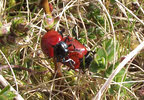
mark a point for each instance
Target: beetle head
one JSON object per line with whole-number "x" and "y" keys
{"x": 60, "y": 50}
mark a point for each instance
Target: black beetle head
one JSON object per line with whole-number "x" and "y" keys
{"x": 60, "y": 50}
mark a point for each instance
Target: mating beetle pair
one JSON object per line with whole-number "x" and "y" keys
{"x": 67, "y": 50}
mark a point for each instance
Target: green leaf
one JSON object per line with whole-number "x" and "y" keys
{"x": 97, "y": 66}
{"x": 11, "y": 3}
{"x": 110, "y": 69}
{"x": 10, "y": 95}
{"x": 101, "y": 53}
{"x": 93, "y": 66}
{"x": 2, "y": 97}
{"x": 5, "y": 94}
{"x": 92, "y": 36}
{"x": 112, "y": 1}
{"x": 109, "y": 47}
{"x": 120, "y": 75}
{"x": 4, "y": 90}
{"x": 116, "y": 23}
{"x": 99, "y": 31}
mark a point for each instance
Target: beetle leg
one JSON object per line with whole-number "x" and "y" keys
{"x": 69, "y": 69}
{"x": 61, "y": 32}
{"x": 69, "y": 45}
{"x": 72, "y": 45}
{"x": 74, "y": 48}
{"x": 72, "y": 66}
{"x": 74, "y": 31}
{"x": 70, "y": 61}
{"x": 67, "y": 39}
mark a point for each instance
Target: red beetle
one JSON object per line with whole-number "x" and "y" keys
{"x": 67, "y": 50}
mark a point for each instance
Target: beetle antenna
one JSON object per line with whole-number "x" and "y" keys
{"x": 69, "y": 45}
{"x": 67, "y": 39}
{"x": 74, "y": 47}
{"x": 74, "y": 32}
{"x": 61, "y": 32}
